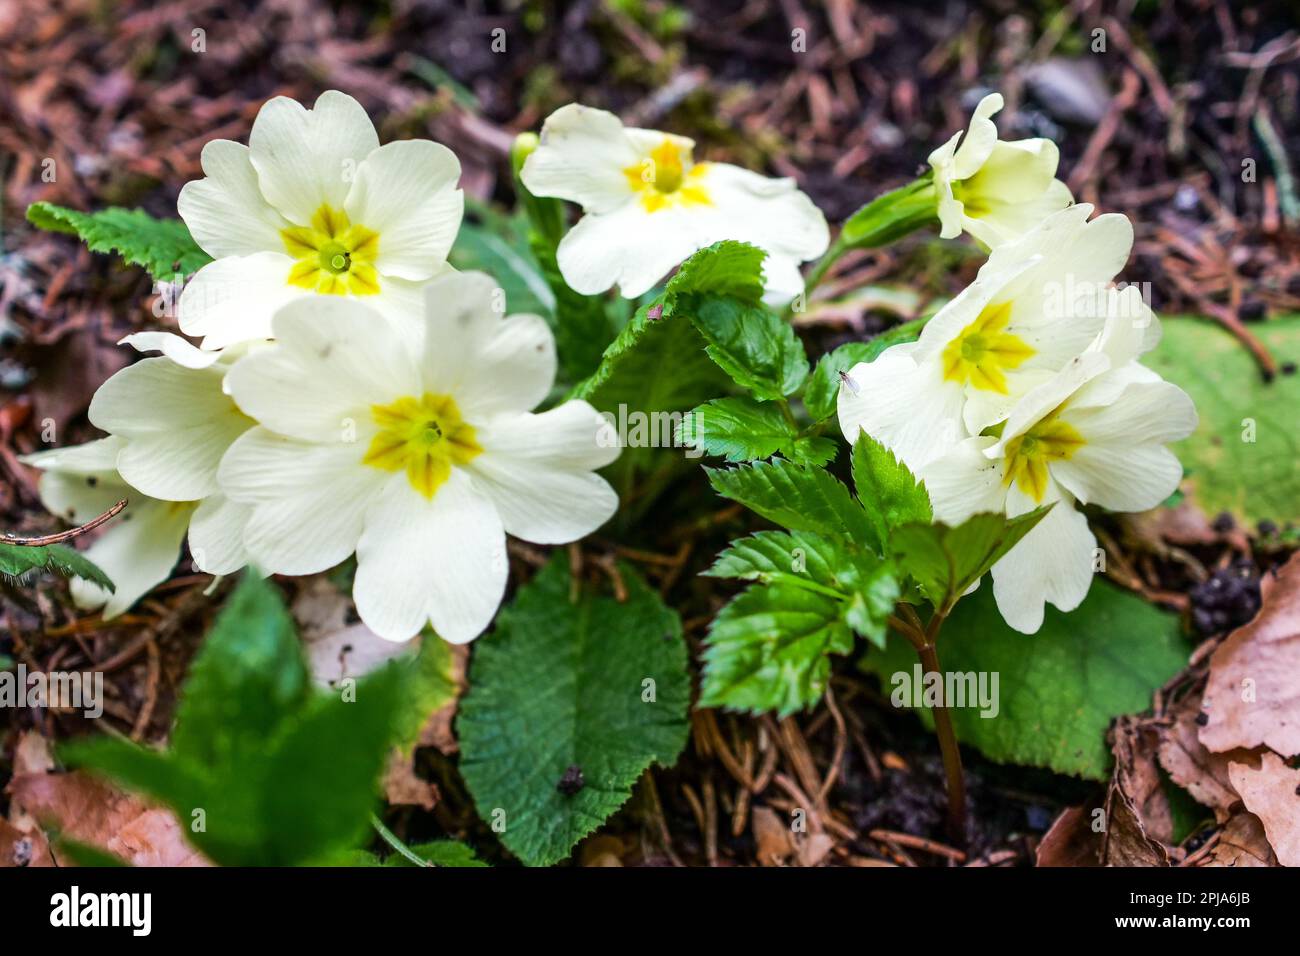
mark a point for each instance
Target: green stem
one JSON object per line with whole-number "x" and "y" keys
{"x": 947, "y": 736}
{"x": 884, "y": 220}
{"x": 395, "y": 842}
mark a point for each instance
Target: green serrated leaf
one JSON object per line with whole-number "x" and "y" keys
{"x": 769, "y": 649}
{"x": 738, "y": 429}
{"x": 795, "y": 497}
{"x": 791, "y": 556}
{"x": 760, "y": 353}
{"x": 560, "y": 684}
{"x": 17, "y": 560}
{"x": 822, "y": 393}
{"x": 887, "y": 490}
{"x": 448, "y": 853}
{"x": 874, "y": 591}
{"x": 656, "y": 370}
{"x": 163, "y": 246}
{"x": 727, "y": 269}
{"x": 945, "y": 561}
{"x": 1242, "y": 457}
{"x": 1058, "y": 690}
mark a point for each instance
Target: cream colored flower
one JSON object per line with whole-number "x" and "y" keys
{"x": 1035, "y": 305}
{"x": 170, "y": 422}
{"x": 418, "y": 460}
{"x": 648, "y": 205}
{"x": 314, "y": 204}
{"x": 138, "y": 548}
{"x": 996, "y": 191}
{"x": 1095, "y": 433}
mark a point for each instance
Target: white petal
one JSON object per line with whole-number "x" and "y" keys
{"x": 137, "y": 550}
{"x": 179, "y": 350}
{"x": 226, "y": 212}
{"x": 782, "y": 280}
{"x": 1007, "y": 221}
{"x": 217, "y": 535}
{"x": 772, "y": 214}
{"x": 88, "y": 458}
{"x": 1052, "y": 564}
{"x": 306, "y": 158}
{"x": 487, "y": 362}
{"x": 537, "y": 471}
{"x": 81, "y": 482}
{"x": 441, "y": 560}
{"x": 1124, "y": 465}
{"x": 582, "y": 158}
{"x": 233, "y": 299}
{"x": 406, "y": 192}
{"x": 628, "y": 247}
{"x": 981, "y": 137}
{"x": 332, "y": 360}
{"x": 964, "y": 482}
{"x": 906, "y": 407}
{"x": 177, "y": 421}
{"x": 308, "y": 500}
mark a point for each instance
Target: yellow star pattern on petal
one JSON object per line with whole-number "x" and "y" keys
{"x": 983, "y": 351}
{"x": 668, "y": 177}
{"x": 424, "y": 436}
{"x": 1028, "y": 455}
{"x": 333, "y": 255}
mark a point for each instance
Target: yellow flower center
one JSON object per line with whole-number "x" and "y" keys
{"x": 1028, "y": 455}
{"x": 422, "y": 436}
{"x": 333, "y": 256}
{"x": 983, "y": 351}
{"x": 668, "y": 177}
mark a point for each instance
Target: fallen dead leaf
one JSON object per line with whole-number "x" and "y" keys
{"x": 1139, "y": 823}
{"x": 404, "y": 787}
{"x": 93, "y": 812}
{"x": 19, "y": 848}
{"x": 1252, "y": 698}
{"x": 1198, "y": 771}
{"x": 774, "y": 839}
{"x": 1271, "y": 791}
{"x": 1242, "y": 843}
{"x": 1070, "y": 840}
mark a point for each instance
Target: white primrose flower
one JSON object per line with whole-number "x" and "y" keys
{"x": 138, "y": 548}
{"x": 1035, "y": 305}
{"x": 419, "y": 460}
{"x": 648, "y": 205}
{"x": 313, "y": 205}
{"x": 1095, "y": 433}
{"x": 992, "y": 189}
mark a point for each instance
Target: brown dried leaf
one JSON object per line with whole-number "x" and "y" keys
{"x": 1070, "y": 841}
{"x": 91, "y": 811}
{"x": 404, "y": 787}
{"x": 1202, "y": 774}
{"x": 1271, "y": 791}
{"x": 774, "y": 839}
{"x": 1242, "y": 843}
{"x": 20, "y": 848}
{"x": 1253, "y": 695}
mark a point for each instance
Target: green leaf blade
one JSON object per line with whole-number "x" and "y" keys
{"x": 769, "y": 649}
{"x": 164, "y": 247}
{"x": 560, "y": 685}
